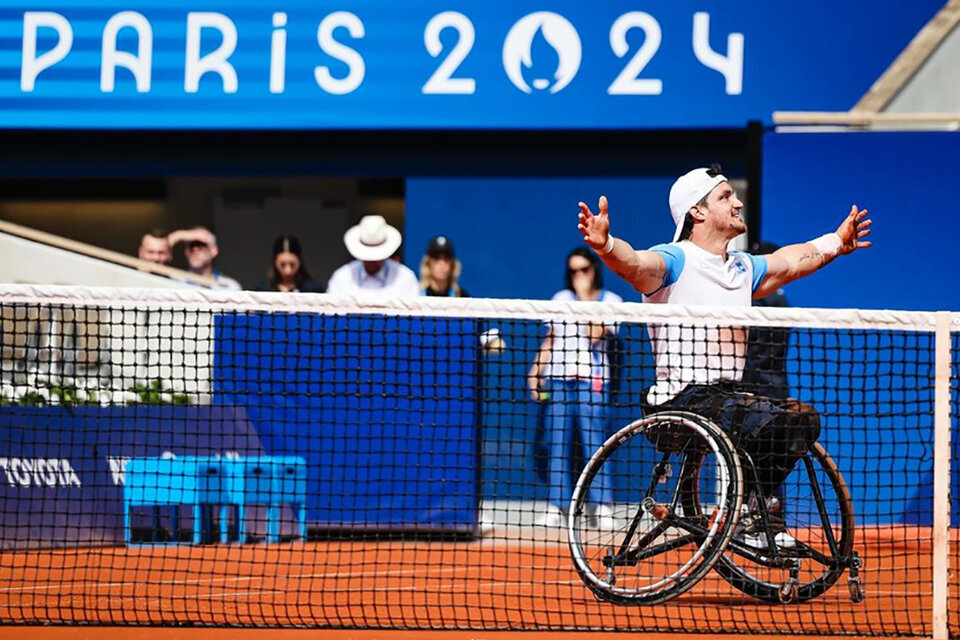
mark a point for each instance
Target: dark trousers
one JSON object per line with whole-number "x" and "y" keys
{"x": 775, "y": 432}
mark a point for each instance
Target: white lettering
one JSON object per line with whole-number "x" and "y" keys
{"x": 731, "y": 65}
{"x": 628, "y": 83}
{"x": 30, "y": 64}
{"x": 278, "y": 52}
{"x": 118, "y": 469}
{"x": 39, "y": 472}
{"x": 138, "y": 64}
{"x": 71, "y": 474}
{"x": 22, "y": 479}
{"x": 47, "y": 471}
{"x": 214, "y": 62}
{"x": 353, "y": 60}
{"x": 441, "y": 80}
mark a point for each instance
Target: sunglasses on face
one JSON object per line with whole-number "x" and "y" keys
{"x": 574, "y": 271}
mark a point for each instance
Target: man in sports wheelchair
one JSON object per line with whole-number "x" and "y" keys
{"x": 698, "y": 411}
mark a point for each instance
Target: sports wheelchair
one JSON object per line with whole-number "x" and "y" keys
{"x": 667, "y": 529}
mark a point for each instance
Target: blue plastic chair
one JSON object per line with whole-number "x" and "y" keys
{"x": 275, "y": 481}
{"x": 189, "y": 480}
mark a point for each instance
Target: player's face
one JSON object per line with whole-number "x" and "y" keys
{"x": 723, "y": 211}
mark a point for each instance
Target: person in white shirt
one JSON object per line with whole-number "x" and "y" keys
{"x": 372, "y": 273}
{"x": 572, "y": 373}
{"x": 700, "y": 369}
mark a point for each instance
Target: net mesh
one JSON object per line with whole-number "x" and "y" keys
{"x": 206, "y": 458}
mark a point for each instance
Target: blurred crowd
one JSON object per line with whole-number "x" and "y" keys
{"x": 375, "y": 268}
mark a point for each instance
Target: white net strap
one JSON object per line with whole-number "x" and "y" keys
{"x": 545, "y": 310}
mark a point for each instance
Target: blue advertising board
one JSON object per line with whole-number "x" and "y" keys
{"x": 363, "y": 64}
{"x": 384, "y": 409}
{"x": 62, "y": 469}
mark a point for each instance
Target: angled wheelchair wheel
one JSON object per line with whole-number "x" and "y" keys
{"x": 631, "y": 539}
{"x": 818, "y": 514}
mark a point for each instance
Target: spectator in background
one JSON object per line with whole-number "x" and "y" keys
{"x": 440, "y": 270}
{"x": 201, "y": 250}
{"x": 765, "y": 372}
{"x": 288, "y": 272}
{"x": 572, "y": 373}
{"x": 154, "y": 247}
{"x": 371, "y": 243}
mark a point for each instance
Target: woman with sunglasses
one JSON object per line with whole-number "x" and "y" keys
{"x": 571, "y": 373}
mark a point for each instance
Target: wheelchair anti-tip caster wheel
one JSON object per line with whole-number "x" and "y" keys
{"x": 789, "y": 591}
{"x": 856, "y": 591}
{"x": 854, "y": 586}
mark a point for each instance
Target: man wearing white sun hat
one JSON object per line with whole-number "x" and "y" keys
{"x": 371, "y": 243}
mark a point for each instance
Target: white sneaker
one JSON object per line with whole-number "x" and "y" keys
{"x": 785, "y": 541}
{"x": 782, "y": 539}
{"x": 604, "y": 519}
{"x": 552, "y": 517}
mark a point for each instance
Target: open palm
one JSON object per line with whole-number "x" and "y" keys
{"x": 853, "y": 230}
{"x": 595, "y": 228}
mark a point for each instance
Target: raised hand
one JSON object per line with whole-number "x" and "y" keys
{"x": 595, "y": 228}
{"x": 853, "y": 229}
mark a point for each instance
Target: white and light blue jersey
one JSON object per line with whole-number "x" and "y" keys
{"x": 701, "y": 355}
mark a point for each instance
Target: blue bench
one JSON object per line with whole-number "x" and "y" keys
{"x": 196, "y": 481}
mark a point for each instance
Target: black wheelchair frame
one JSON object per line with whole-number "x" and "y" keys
{"x": 673, "y": 523}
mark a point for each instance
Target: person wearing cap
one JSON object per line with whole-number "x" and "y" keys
{"x": 371, "y": 243}
{"x": 701, "y": 370}
{"x": 201, "y": 250}
{"x": 440, "y": 270}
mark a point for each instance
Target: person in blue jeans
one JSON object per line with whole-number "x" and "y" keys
{"x": 572, "y": 374}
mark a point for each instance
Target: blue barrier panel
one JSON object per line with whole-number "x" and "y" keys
{"x": 384, "y": 409}
{"x": 810, "y": 181}
{"x": 62, "y": 469}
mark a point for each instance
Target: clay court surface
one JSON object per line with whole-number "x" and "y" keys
{"x": 497, "y": 586}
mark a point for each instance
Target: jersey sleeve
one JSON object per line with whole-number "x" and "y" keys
{"x": 759, "y": 264}
{"x": 673, "y": 258}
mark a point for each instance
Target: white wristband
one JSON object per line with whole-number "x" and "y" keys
{"x": 607, "y": 248}
{"x": 828, "y": 245}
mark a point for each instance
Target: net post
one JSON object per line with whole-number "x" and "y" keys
{"x": 941, "y": 477}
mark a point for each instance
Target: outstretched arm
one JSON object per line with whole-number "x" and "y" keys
{"x": 798, "y": 260}
{"x": 644, "y": 270}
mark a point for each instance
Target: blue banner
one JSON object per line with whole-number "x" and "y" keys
{"x": 62, "y": 469}
{"x": 363, "y": 64}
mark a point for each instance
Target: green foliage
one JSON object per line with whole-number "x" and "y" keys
{"x": 153, "y": 392}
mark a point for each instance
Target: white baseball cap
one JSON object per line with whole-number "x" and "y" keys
{"x": 688, "y": 190}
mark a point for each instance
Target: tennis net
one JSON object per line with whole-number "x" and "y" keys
{"x": 193, "y": 457}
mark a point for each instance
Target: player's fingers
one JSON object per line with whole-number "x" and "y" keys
{"x": 864, "y": 245}
{"x": 864, "y": 233}
{"x": 853, "y": 211}
{"x": 602, "y": 205}
{"x": 865, "y": 223}
{"x": 585, "y": 209}
{"x": 862, "y": 214}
